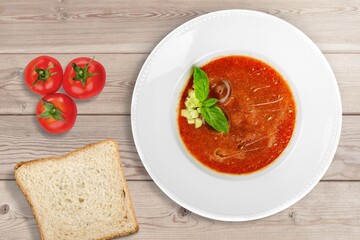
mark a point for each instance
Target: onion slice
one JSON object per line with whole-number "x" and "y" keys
{"x": 228, "y": 90}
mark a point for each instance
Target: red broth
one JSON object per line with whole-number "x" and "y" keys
{"x": 260, "y": 109}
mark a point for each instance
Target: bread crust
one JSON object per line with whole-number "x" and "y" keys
{"x": 126, "y": 189}
{"x": 17, "y": 166}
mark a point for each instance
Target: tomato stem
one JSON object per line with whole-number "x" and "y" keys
{"x": 43, "y": 74}
{"x": 82, "y": 73}
{"x": 51, "y": 111}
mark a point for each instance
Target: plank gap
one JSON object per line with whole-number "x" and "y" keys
{"x": 77, "y": 53}
{"x": 339, "y": 52}
{"x": 79, "y": 114}
{"x": 339, "y": 180}
{"x": 151, "y": 180}
{"x": 114, "y": 114}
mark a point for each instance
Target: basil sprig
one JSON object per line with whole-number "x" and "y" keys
{"x": 215, "y": 118}
{"x": 212, "y": 114}
{"x": 201, "y": 84}
{"x": 210, "y": 102}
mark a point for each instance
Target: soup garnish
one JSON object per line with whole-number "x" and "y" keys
{"x": 199, "y": 106}
{"x": 244, "y": 114}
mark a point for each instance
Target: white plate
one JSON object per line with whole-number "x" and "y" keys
{"x": 229, "y": 197}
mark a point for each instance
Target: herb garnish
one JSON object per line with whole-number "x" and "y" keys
{"x": 198, "y": 103}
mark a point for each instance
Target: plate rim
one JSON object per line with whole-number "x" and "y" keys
{"x": 325, "y": 163}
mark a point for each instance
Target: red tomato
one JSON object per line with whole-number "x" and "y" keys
{"x": 56, "y": 113}
{"x": 43, "y": 75}
{"x": 84, "y": 78}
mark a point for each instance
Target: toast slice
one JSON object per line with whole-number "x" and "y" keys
{"x": 82, "y": 195}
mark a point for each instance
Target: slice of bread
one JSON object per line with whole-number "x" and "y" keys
{"x": 82, "y": 195}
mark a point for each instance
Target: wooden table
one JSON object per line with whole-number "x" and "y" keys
{"x": 121, "y": 34}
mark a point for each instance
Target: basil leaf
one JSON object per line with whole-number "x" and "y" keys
{"x": 215, "y": 117}
{"x": 210, "y": 102}
{"x": 201, "y": 84}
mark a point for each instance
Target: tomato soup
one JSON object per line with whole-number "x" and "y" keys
{"x": 260, "y": 109}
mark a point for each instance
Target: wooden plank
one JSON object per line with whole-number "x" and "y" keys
{"x": 347, "y": 73}
{"x": 22, "y": 140}
{"x": 41, "y": 26}
{"x": 330, "y": 211}
{"x": 122, "y": 71}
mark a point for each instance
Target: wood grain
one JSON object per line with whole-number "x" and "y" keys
{"x": 136, "y": 26}
{"x": 347, "y": 72}
{"x": 22, "y": 140}
{"x": 322, "y": 214}
{"x": 122, "y": 71}
{"x": 19, "y": 142}
{"x": 121, "y": 34}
